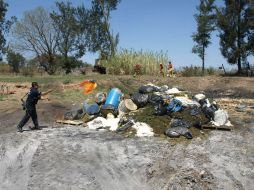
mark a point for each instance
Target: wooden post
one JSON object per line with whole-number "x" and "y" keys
{"x": 224, "y": 69}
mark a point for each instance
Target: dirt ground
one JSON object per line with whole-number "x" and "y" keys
{"x": 68, "y": 157}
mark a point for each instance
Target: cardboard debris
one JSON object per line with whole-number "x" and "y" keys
{"x": 70, "y": 122}
{"x": 213, "y": 127}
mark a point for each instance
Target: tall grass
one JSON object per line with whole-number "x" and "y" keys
{"x": 126, "y": 61}
{"x": 197, "y": 71}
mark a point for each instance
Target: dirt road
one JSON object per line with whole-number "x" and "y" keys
{"x": 67, "y": 157}
{"x": 77, "y": 158}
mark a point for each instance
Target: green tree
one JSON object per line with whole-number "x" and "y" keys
{"x": 100, "y": 37}
{"x": 71, "y": 29}
{"x": 4, "y": 25}
{"x": 35, "y": 33}
{"x": 15, "y": 60}
{"x": 236, "y": 31}
{"x": 205, "y": 19}
{"x": 250, "y": 17}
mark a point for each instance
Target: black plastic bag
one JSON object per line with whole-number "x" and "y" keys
{"x": 179, "y": 123}
{"x": 139, "y": 99}
{"x": 146, "y": 89}
{"x": 178, "y": 131}
{"x": 209, "y": 111}
{"x": 194, "y": 111}
{"x": 160, "y": 109}
{"x": 74, "y": 114}
{"x": 155, "y": 99}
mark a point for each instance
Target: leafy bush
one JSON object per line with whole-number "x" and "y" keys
{"x": 27, "y": 71}
{"x": 4, "y": 68}
{"x": 197, "y": 71}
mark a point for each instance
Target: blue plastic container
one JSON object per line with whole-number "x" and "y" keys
{"x": 114, "y": 97}
{"x": 174, "y": 106}
{"x": 91, "y": 109}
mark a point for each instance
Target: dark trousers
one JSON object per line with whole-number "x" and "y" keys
{"x": 30, "y": 112}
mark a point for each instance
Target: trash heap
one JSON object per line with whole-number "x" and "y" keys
{"x": 150, "y": 111}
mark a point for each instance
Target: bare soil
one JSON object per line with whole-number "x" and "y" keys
{"x": 68, "y": 157}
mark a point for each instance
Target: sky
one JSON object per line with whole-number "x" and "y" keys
{"x": 152, "y": 25}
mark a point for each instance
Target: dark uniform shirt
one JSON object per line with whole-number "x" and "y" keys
{"x": 33, "y": 96}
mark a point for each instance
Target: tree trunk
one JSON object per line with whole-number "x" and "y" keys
{"x": 203, "y": 60}
{"x": 239, "y": 40}
{"x": 67, "y": 63}
{"x": 239, "y": 65}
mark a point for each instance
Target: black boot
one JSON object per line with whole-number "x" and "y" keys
{"x": 35, "y": 127}
{"x": 20, "y": 129}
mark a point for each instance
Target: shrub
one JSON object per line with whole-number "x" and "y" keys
{"x": 27, "y": 71}
{"x": 197, "y": 71}
{"x": 5, "y": 69}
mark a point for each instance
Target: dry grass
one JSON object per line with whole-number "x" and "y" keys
{"x": 126, "y": 61}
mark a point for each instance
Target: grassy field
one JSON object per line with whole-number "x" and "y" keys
{"x": 42, "y": 79}
{"x": 66, "y": 87}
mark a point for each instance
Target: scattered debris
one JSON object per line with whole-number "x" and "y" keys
{"x": 126, "y": 106}
{"x": 114, "y": 97}
{"x": 143, "y": 129}
{"x": 170, "y": 105}
{"x": 147, "y": 89}
{"x": 97, "y": 123}
{"x": 178, "y": 131}
{"x": 174, "y": 91}
{"x": 70, "y": 122}
{"x": 179, "y": 123}
{"x": 175, "y": 105}
{"x": 186, "y": 102}
{"x": 139, "y": 99}
{"x": 100, "y": 98}
{"x": 102, "y": 123}
{"x": 199, "y": 97}
{"x": 5, "y": 89}
{"x": 221, "y": 118}
{"x": 91, "y": 109}
{"x": 74, "y": 114}
{"x": 240, "y": 107}
{"x": 125, "y": 124}
{"x": 20, "y": 86}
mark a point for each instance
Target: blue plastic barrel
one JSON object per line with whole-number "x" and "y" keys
{"x": 113, "y": 97}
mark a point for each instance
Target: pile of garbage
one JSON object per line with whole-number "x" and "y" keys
{"x": 173, "y": 106}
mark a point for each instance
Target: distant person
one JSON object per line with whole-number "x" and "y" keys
{"x": 161, "y": 69}
{"x": 170, "y": 69}
{"x": 30, "y": 106}
{"x": 137, "y": 70}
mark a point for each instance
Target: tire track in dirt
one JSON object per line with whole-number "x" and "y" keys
{"x": 16, "y": 156}
{"x": 73, "y": 162}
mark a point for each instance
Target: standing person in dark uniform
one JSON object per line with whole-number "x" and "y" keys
{"x": 30, "y": 106}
